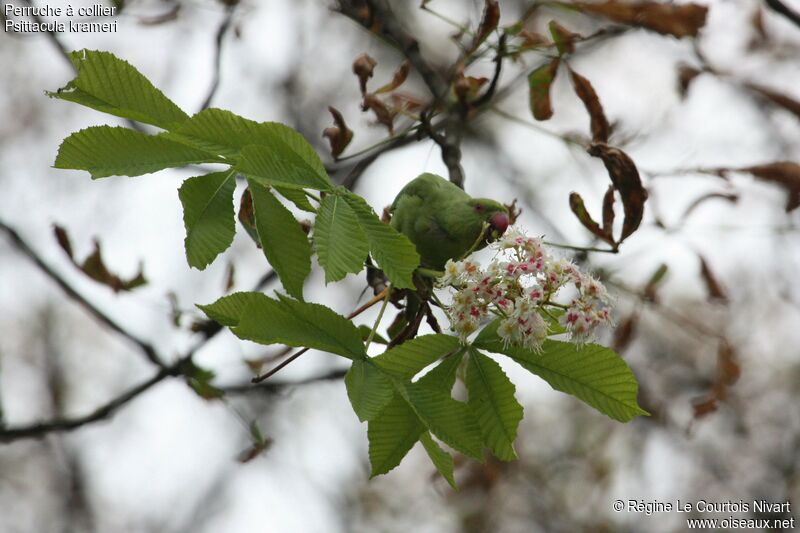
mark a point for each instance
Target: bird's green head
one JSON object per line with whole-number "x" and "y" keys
{"x": 493, "y": 213}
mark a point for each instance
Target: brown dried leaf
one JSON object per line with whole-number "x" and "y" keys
{"x": 405, "y": 101}
{"x": 539, "y": 82}
{"x": 467, "y": 88}
{"x": 623, "y": 334}
{"x": 338, "y": 135}
{"x": 363, "y": 67}
{"x": 532, "y": 39}
{"x": 704, "y": 406}
{"x": 728, "y": 372}
{"x": 94, "y": 266}
{"x": 679, "y": 20}
{"x": 230, "y": 276}
{"x": 247, "y": 216}
{"x": 715, "y": 290}
{"x": 563, "y": 38}
{"x": 728, "y": 367}
{"x": 587, "y": 94}
{"x": 63, "y": 239}
{"x": 783, "y": 173}
{"x": 398, "y": 78}
{"x": 254, "y": 451}
{"x": 489, "y": 22}
{"x": 608, "y": 211}
{"x": 384, "y": 115}
{"x": 625, "y": 177}
{"x": 579, "y": 208}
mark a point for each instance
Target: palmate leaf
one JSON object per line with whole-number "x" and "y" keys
{"x": 395, "y": 254}
{"x": 259, "y": 318}
{"x": 340, "y": 242}
{"x": 222, "y": 132}
{"x": 111, "y": 85}
{"x": 229, "y": 309}
{"x": 443, "y": 376}
{"x": 451, "y": 421}
{"x": 283, "y": 240}
{"x": 592, "y": 373}
{"x": 368, "y": 388}
{"x": 491, "y": 398}
{"x": 391, "y": 435}
{"x": 408, "y": 359}
{"x": 208, "y": 216}
{"x": 297, "y": 197}
{"x": 393, "y": 432}
{"x": 442, "y": 460}
{"x": 114, "y": 151}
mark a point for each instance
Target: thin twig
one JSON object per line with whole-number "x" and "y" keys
{"x": 223, "y": 29}
{"x": 278, "y": 368}
{"x": 272, "y": 387}
{"x": 498, "y": 67}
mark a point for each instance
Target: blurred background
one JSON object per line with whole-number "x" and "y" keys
{"x": 707, "y": 294}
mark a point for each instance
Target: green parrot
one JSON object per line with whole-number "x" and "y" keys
{"x": 443, "y": 221}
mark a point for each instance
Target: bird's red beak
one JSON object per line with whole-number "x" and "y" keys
{"x": 499, "y": 223}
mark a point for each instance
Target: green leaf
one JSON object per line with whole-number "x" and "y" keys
{"x": 283, "y": 240}
{"x": 111, "y": 85}
{"x": 115, "y": 151}
{"x": 451, "y": 421}
{"x": 391, "y": 435}
{"x": 199, "y": 379}
{"x": 368, "y": 388}
{"x": 408, "y": 359}
{"x": 552, "y": 317}
{"x": 491, "y": 398}
{"x": 341, "y": 244}
{"x": 297, "y": 197}
{"x": 395, "y": 254}
{"x": 229, "y": 309}
{"x": 376, "y": 338}
{"x": 443, "y": 376}
{"x": 592, "y": 373}
{"x": 280, "y": 156}
{"x": 295, "y": 323}
{"x": 219, "y": 131}
{"x": 208, "y": 216}
{"x": 442, "y": 460}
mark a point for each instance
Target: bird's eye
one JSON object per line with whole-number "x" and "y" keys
{"x": 479, "y": 208}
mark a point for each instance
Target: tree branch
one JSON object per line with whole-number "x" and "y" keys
{"x": 377, "y": 17}
{"x": 41, "y": 429}
{"x": 23, "y": 247}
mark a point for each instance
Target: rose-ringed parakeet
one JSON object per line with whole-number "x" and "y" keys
{"x": 443, "y": 221}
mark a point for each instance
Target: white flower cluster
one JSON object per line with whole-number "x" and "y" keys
{"x": 520, "y": 287}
